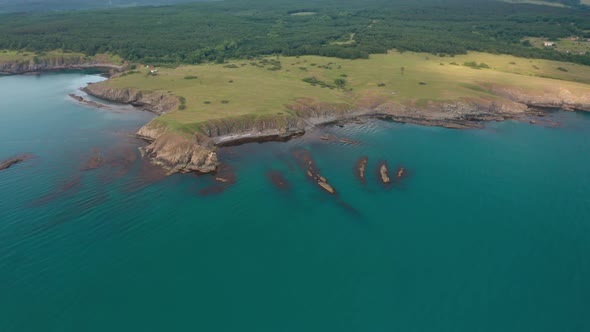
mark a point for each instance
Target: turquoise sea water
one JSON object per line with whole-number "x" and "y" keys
{"x": 489, "y": 232}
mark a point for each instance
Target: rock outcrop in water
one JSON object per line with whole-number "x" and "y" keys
{"x": 361, "y": 167}
{"x": 401, "y": 173}
{"x": 90, "y": 103}
{"x": 5, "y": 164}
{"x": 383, "y": 173}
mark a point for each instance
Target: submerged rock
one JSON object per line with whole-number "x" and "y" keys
{"x": 91, "y": 103}
{"x": 278, "y": 179}
{"x": 225, "y": 174}
{"x": 95, "y": 161}
{"x": 401, "y": 172}
{"x": 5, "y": 164}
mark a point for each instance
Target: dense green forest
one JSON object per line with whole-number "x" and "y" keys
{"x": 214, "y": 31}
{"x": 55, "y": 5}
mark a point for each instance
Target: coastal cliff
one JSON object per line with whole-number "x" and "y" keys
{"x": 556, "y": 97}
{"x": 196, "y": 151}
{"x": 157, "y": 102}
{"x": 37, "y": 65}
{"x": 180, "y": 154}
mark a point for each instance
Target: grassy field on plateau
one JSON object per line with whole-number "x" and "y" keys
{"x": 266, "y": 86}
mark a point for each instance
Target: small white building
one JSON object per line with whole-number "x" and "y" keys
{"x": 548, "y": 44}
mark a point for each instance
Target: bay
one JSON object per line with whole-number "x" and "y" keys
{"x": 488, "y": 232}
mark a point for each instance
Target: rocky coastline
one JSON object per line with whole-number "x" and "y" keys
{"x": 22, "y": 67}
{"x": 196, "y": 153}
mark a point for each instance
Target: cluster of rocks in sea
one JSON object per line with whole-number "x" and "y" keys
{"x": 383, "y": 173}
{"x": 308, "y": 165}
{"x": 185, "y": 152}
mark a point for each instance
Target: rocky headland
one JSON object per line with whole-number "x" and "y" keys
{"x": 185, "y": 152}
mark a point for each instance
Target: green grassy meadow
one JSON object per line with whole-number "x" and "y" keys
{"x": 263, "y": 87}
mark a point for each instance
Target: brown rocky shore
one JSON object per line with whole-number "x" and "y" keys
{"x": 185, "y": 153}
{"x": 19, "y": 67}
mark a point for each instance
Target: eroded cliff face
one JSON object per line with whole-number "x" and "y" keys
{"x": 152, "y": 130}
{"x": 555, "y": 97}
{"x": 462, "y": 113}
{"x": 157, "y": 102}
{"x": 184, "y": 153}
{"x": 51, "y": 64}
{"x": 181, "y": 154}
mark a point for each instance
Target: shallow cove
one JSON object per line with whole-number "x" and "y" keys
{"x": 489, "y": 231}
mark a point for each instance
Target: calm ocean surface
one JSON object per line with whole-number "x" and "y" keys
{"x": 489, "y": 232}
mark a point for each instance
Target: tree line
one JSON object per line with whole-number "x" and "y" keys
{"x": 216, "y": 31}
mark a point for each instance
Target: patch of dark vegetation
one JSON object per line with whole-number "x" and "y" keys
{"x": 475, "y": 65}
{"x": 225, "y": 101}
{"x": 130, "y": 72}
{"x": 182, "y": 101}
{"x": 562, "y": 69}
{"x": 232, "y": 66}
{"x": 381, "y": 84}
{"x": 191, "y": 77}
{"x": 422, "y": 83}
{"x": 338, "y": 83}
